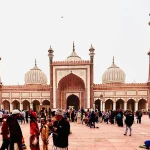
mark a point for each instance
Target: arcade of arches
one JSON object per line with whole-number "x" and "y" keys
{"x": 71, "y": 92}
{"x": 25, "y": 105}
{"x": 131, "y": 104}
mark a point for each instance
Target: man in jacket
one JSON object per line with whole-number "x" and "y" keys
{"x": 129, "y": 121}
{"x": 15, "y": 130}
{"x": 61, "y": 131}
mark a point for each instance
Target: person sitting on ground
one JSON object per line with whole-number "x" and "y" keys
{"x": 146, "y": 144}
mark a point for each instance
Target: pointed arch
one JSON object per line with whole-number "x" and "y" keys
{"x": 6, "y": 105}
{"x": 26, "y": 105}
{"x": 73, "y": 101}
{"x": 46, "y": 102}
{"x": 120, "y": 104}
{"x": 131, "y": 104}
{"x": 36, "y": 105}
{"x": 16, "y": 104}
{"x": 109, "y": 104}
{"x": 71, "y": 81}
{"x": 142, "y": 104}
{"x": 97, "y": 104}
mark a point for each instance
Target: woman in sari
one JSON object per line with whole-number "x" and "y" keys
{"x": 34, "y": 132}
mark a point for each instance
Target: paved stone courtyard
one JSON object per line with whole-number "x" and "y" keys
{"x": 106, "y": 137}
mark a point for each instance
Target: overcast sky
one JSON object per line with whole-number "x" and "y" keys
{"x": 116, "y": 28}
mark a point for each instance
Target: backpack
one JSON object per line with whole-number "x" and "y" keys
{"x": 118, "y": 116}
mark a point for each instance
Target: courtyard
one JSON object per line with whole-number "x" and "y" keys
{"x": 106, "y": 137}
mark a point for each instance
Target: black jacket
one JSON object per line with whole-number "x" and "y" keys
{"x": 14, "y": 129}
{"x": 60, "y": 136}
{"x": 129, "y": 120}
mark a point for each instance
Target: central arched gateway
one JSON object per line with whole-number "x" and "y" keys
{"x": 71, "y": 92}
{"x": 73, "y": 102}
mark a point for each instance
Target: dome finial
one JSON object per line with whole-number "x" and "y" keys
{"x": 35, "y": 63}
{"x": 73, "y": 47}
{"x": 113, "y": 60}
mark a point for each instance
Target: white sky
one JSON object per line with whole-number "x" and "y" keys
{"x": 115, "y": 28}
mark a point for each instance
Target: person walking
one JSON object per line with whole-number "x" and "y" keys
{"x": 15, "y": 130}
{"x": 61, "y": 131}
{"x": 44, "y": 133}
{"x": 34, "y": 132}
{"x": 5, "y": 134}
{"x": 139, "y": 116}
{"x": 129, "y": 121}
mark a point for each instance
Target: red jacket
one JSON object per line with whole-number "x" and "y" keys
{"x": 34, "y": 129}
{"x": 5, "y": 130}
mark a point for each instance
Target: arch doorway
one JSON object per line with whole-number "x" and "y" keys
{"x": 6, "y": 105}
{"x": 142, "y": 104}
{"x": 26, "y": 105}
{"x": 120, "y": 104}
{"x": 109, "y": 105}
{"x": 36, "y": 105}
{"x": 71, "y": 83}
{"x": 16, "y": 104}
{"x": 98, "y": 104}
{"x": 73, "y": 102}
{"x": 45, "y": 105}
{"x": 131, "y": 105}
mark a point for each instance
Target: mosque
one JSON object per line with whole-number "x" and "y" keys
{"x": 71, "y": 86}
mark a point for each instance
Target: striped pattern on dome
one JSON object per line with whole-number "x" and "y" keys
{"x": 113, "y": 75}
{"x": 73, "y": 57}
{"x": 35, "y": 76}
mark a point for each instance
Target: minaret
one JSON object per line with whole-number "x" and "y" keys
{"x": 91, "y": 75}
{"x": 50, "y": 55}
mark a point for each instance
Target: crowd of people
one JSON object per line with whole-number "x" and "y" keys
{"x": 13, "y": 138}
{"x": 57, "y": 124}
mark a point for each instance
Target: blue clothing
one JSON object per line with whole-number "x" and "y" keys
{"x": 147, "y": 144}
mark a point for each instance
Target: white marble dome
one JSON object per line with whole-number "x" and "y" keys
{"x": 113, "y": 75}
{"x": 35, "y": 76}
{"x": 73, "y": 57}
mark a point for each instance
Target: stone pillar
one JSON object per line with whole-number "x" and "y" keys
{"x": 50, "y": 54}
{"x": 125, "y": 106}
{"x": 2, "y": 106}
{"x": 94, "y": 106}
{"x": 114, "y": 105}
{"x": 101, "y": 109}
{"x": 21, "y": 106}
{"x": 103, "y": 106}
{"x": 11, "y": 107}
{"x": 31, "y": 106}
{"x": 146, "y": 106}
{"x": 136, "y": 106}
